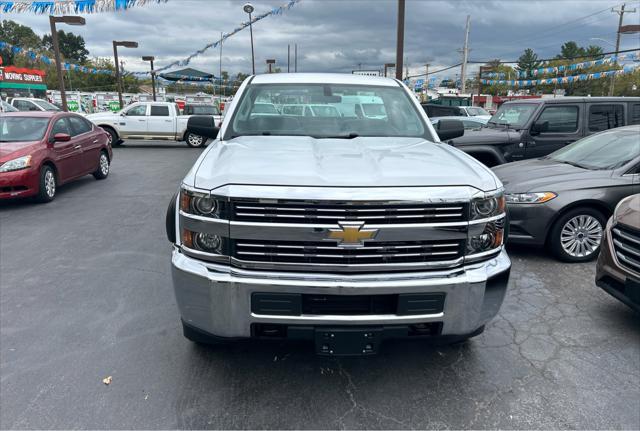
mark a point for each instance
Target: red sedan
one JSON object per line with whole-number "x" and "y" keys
{"x": 41, "y": 150}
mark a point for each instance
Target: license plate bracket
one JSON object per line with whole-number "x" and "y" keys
{"x": 348, "y": 341}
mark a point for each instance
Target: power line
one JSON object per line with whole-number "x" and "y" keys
{"x": 439, "y": 70}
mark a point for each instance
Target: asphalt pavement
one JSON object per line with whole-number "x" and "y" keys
{"x": 85, "y": 293}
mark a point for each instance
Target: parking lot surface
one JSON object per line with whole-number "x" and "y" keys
{"x": 85, "y": 293}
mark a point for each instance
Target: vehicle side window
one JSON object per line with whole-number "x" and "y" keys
{"x": 137, "y": 111}
{"x": 159, "y": 111}
{"x": 634, "y": 113}
{"x": 25, "y": 105}
{"x": 562, "y": 119}
{"x": 634, "y": 170}
{"x": 177, "y": 108}
{"x": 79, "y": 125}
{"x": 61, "y": 126}
{"x": 604, "y": 117}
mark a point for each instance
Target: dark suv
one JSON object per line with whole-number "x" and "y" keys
{"x": 531, "y": 128}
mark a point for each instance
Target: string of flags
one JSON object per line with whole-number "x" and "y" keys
{"x": 46, "y": 60}
{"x": 275, "y": 11}
{"x": 634, "y": 56}
{"x": 562, "y": 79}
{"x": 61, "y": 7}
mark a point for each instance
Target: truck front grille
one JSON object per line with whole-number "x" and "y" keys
{"x": 283, "y": 252}
{"x": 626, "y": 244}
{"x": 332, "y": 213}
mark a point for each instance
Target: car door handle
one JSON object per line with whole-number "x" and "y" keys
{"x": 77, "y": 147}
{"x": 95, "y": 141}
{"x": 142, "y": 120}
{"x": 167, "y": 121}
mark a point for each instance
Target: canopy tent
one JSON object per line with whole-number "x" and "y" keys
{"x": 187, "y": 74}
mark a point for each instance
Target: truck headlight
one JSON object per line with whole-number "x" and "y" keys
{"x": 16, "y": 164}
{"x": 201, "y": 204}
{"x": 488, "y": 206}
{"x": 202, "y": 241}
{"x": 530, "y": 198}
{"x": 492, "y": 237}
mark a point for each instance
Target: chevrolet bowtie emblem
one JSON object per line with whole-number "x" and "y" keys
{"x": 351, "y": 234}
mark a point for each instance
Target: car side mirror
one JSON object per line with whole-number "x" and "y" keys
{"x": 123, "y": 114}
{"x": 61, "y": 137}
{"x": 537, "y": 128}
{"x": 449, "y": 129}
{"x": 202, "y": 125}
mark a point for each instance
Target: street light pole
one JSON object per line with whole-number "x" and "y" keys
{"x": 620, "y": 12}
{"x": 150, "y": 58}
{"x": 248, "y": 8}
{"x": 400, "y": 40}
{"x": 116, "y": 44}
{"x": 71, "y": 20}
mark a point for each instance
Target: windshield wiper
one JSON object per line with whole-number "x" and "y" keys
{"x": 351, "y": 135}
{"x": 577, "y": 165}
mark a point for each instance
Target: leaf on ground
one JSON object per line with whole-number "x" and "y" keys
{"x": 107, "y": 380}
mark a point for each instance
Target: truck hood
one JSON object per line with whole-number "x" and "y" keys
{"x": 359, "y": 162}
{"x": 545, "y": 175}
{"x": 487, "y": 135}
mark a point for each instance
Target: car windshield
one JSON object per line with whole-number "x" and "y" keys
{"x": 46, "y": 105}
{"x": 336, "y": 112}
{"x": 474, "y": 110}
{"x": 22, "y": 129}
{"x": 513, "y": 115}
{"x": 5, "y": 107}
{"x": 608, "y": 150}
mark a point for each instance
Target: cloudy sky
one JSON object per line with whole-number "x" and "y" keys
{"x": 342, "y": 35}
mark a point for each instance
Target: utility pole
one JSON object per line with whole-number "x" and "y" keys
{"x": 620, "y": 12}
{"x": 221, "y": 81}
{"x": 465, "y": 56}
{"x": 288, "y": 58}
{"x": 400, "y": 40}
{"x": 295, "y": 57}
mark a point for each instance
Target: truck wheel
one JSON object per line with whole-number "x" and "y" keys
{"x": 48, "y": 185}
{"x": 194, "y": 141}
{"x": 103, "y": 167}
{"x": 576, "y": 236}
{"x": 113, "y": 139}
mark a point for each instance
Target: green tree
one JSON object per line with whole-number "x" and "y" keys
{"x": 570, "y": 50}
{"x": 19, "y": 35}
{"x": 528, "y": 61}
{"x": 72, "y": 47}
{"x": 594, "y": 51}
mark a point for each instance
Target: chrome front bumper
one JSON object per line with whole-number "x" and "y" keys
{"x": 217, "y": 299}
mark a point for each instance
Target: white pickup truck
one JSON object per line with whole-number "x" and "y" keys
{"x": 148, "y": 120}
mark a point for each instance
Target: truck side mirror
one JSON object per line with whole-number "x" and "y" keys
{"x": 449, "y": 129}
{"x": 537, "y": 128}
{"x": 202, "y": 125}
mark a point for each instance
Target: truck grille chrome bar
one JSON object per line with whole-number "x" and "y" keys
{"x": 326, "y": 253}
{"x": 377, "y": 212}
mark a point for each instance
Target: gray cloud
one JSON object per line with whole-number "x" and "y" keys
{"x": 340, "y": 35}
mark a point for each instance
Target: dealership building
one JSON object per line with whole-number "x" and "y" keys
{"x": 22, "y": 82}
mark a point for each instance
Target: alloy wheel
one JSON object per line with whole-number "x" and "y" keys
{"x": 50, "y": 183}
{"x": 196, "y": 140}
{"x": 581, "y": 236}
{"x": 104, "y": 164}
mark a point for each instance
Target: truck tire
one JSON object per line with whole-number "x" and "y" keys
{"x": 113, "y": 139}
{"x": 577, "y": 235}
{"x": 194, "y": 141}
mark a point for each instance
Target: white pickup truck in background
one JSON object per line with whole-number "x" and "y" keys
{"x": 148, "y": 120}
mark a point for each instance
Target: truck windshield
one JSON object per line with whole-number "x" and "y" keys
{"x": 607, "y": 150}
{"x": 22, "y": 129}
{"x": 330, "y": 111}
{"x": 513, "y": 115}
{"x": 46, "y": 105}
